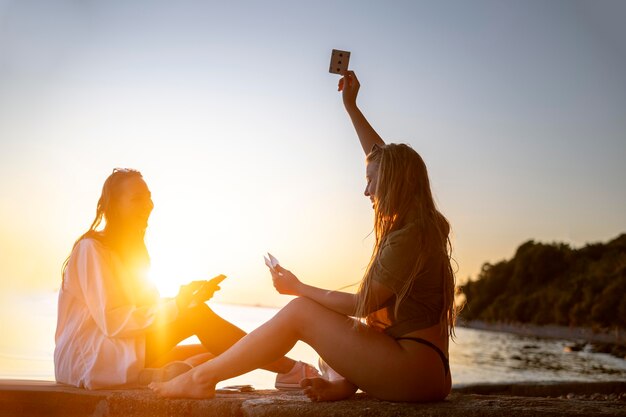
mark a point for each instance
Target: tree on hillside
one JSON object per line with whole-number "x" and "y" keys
{"x": 553, "y": 284}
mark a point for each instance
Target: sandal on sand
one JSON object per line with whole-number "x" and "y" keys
{"x": 169, "y": 371}
{"x": 290, "y": 381}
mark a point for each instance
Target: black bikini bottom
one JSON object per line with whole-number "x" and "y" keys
{"x": 446, "y": 364}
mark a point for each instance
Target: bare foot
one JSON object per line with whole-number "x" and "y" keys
{"x": 184, "y": 386}
{"x": 320, "y": 389}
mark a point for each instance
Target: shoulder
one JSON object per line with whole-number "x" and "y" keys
{"x": 92, "y": 262}
{"x": 88, "y": 248}
{"x": 89, "y": 259}
{"x": 89, "y": 244}
{"x": 403, "y": 238}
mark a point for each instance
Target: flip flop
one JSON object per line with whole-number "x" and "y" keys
{"x": 234, "y": 388}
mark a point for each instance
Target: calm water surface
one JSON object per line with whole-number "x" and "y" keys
{"x": 27, "y": 327}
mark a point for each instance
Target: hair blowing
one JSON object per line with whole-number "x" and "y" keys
{"x": 403, "y": 191}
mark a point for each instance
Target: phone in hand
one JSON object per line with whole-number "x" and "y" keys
{"x": 271, "y": 262}
{"x": 216, "y": 280}
{"x": 213, "y": 282}
{"x": 339, "y": 61}
{"x": 207, "y": 287}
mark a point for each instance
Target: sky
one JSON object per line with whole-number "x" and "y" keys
{"x": 230, "y": 113}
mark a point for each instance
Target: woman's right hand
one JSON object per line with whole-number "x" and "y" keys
{"x": 349, "y": 86}
{"x": 285, "y": 282}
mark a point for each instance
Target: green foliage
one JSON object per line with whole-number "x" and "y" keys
{"x": 553, "y": 284}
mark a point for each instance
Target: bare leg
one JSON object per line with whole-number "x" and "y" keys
{"x": 215, "y": 334}
{"x": 181, "y": 353}
{"x": 367, "y": 358}
{"x": 199, "y": 359}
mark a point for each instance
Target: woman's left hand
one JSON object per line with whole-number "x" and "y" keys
{"x": 194, "y": 293}
{"x": 205, "y": 293}
{"x": 186, "y": 294}
{"x": 285, "y": 282}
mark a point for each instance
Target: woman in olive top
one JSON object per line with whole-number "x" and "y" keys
{"x": 396, "y": 347}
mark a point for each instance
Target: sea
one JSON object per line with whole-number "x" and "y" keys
{"x": 27, "y": 325}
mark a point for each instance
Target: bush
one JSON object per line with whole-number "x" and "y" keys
{"x": 553, "y": 284}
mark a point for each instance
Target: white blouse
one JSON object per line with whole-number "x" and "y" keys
{"x": 104, "y": 314}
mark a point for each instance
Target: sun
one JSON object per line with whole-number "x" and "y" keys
{"x": 164, "y": 277}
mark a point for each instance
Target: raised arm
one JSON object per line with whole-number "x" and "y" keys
{"x": 349, "y": 85}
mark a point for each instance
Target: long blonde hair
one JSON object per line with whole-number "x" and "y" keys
{"x": 403, "y": 193}
{"x": 134, "y": 254}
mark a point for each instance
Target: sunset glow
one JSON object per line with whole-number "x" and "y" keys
{"x": 237, "y": 126}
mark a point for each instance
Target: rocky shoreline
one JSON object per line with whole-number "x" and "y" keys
{"x": 600, "y": 341}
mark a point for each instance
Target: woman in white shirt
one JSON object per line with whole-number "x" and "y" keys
{"x": 112, "y": 324}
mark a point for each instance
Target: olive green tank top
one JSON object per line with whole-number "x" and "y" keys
{"x": 423, "y": 303}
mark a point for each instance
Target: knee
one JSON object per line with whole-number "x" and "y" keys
{"x": 298, "y": 311}
{"x": 299, "y": 305}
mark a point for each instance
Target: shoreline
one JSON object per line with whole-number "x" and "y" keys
{"x": 611, "y": 342}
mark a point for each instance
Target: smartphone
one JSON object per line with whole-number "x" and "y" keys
{"x": 339, "y": 61}
{"x": 216, "y": 280}
{"x": 271, "y": 262}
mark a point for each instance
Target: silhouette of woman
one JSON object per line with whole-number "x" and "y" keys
{"x": 113, "y": 329}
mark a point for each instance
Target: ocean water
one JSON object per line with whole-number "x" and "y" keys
{"x": 27, "y": 325}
